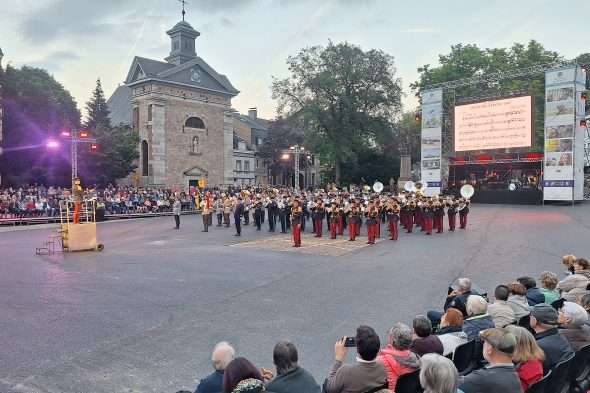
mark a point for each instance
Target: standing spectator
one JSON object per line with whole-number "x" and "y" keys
{"x": 291, "y": 378}
{"x": 451, "y": 333}
{"x": 222, "y": 355}
{"x": 501, "y": 313}
{"x": 533, "y": 294}
{"x": 527, "y": 358}
{"x": 499, "y": 375}
{"x": 517, "y": 300}
{"x": 548, "y": 284}
{"x": 438, "y": 375}
{"x": 241, "y": 376}
{"x": 424, "y": 342}
{"x": 397, "y": 357}
{"x": 176, "y": 212}
{"x": 366, "y": 374}
{"x": 544, "y": 321}
{"x": 571, "y": 318}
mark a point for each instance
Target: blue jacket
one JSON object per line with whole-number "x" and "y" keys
{"x": 556, "y": 348}
{"x": 534, "y": 296}
{"x": 297, "y": 381}
{"x": 212, "y": 383}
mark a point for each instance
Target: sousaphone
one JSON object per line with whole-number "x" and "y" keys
{"x": 378, "y": 187}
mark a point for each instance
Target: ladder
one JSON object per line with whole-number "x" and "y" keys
{"x": 49, "y": 246}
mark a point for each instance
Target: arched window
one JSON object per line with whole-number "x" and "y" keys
{"x": 195, "y": 144}
{"x": 194, "y": 122}
{"x": 144, "y": 158}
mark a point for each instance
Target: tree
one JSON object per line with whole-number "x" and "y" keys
{"x": 407, "y": 135}
{"x": 98, "y": 111}
{"x": 584, "y": 60}
{"x": 466, "y": 61}
{"x": 282, "y": 133}
{"x": 343, "y": 96}
{"x": 36, "y": 108}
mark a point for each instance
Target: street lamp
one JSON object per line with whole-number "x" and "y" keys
{"x": 295, "y": 150}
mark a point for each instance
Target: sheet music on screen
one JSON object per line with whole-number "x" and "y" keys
{"x": 496, "y": 124}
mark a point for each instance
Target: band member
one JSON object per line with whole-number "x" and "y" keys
{"x": 258, "y": 212}
{"x": 371, "y": 213}
{"x": 272, "y": 213}
{"x": 439, "y": 215}
{"x": 463, "y": 212}
{"x": 378, "y": 218}
{"x": 218, "y": 206}
{"x": 411, "y": 206}
{"x": 318, "y": 217}
{"x": 392, "y": 214}
{"x": 282, "y": 208}
{"x": 238, "y": 213}
{"x": 78, "y": 194}
{"x": 452, "y": 213}
{"x": 341, "y": 218}
{"x": 206, "y": 213}
{"x": 428, "y": 216}
{"x": 227, "y": 205}
{"x": 359, "y": 221}
{"x": 296, "y": 222}
{"x": 334, "y": 217}
{"x": 352, "y": 217}
{"x": 247, "y": 202}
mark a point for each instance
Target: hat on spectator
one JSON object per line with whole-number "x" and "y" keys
{"x": 500, "y": 339}
{"x": 545, "y": 314}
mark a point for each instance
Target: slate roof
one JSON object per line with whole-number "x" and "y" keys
{"x": 250, "y": 122}
{"x": 120, "y": 106}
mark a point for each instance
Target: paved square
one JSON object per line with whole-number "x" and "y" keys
{"x": 143, "y": 315}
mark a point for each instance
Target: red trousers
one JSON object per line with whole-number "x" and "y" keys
{"x": 410, "y": 223}
{"x": 378, "y": 228}
{"x": 439, "y": 223}
{"x": 371, "y": 229}
{"x": 77, "y": 212}
{"x": 333, "y": 226}
{"x": 419, "y": 219}
{"x": 297, "y": 235}
{"x": 463, "y": 220}
{"x": 318, "y": 227}
{"x": 340, "y": 225}
{"x": 357, "y": 229}
{"x": 435, "y": 222}
{"x": 452, "y": 221}
{"x": 428, "y": 225}
{"x": 352, "y": 230}
{"x": 393, "y": 229}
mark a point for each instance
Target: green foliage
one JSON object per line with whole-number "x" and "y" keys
{"x": 466, "y": 61}
{"x": 36, "y": 108}
{"x": 584, "y": 60}
{"x": 344, "y": 97}
{"x": 282, "y": 133}
{"x": 98, "y": 111}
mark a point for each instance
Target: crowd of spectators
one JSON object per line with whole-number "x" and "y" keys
{"x": 520, "y": 335}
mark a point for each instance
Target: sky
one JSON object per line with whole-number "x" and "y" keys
{"x": 250, "y": 40}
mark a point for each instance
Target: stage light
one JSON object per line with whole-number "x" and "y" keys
{"x": 66, "y": 134}
{"x": 94, "y": 147}
{"x": 285, "y": 156}
{"x": 84, "y": 135}
{"x": 52, "y": 144}
{"x": 583, "y": 96}
{"x": 418, "y": 118}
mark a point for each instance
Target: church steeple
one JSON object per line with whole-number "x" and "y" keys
{"x": 182, "y": 37}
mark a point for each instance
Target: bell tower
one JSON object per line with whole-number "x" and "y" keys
{"x": 182, "y": 41}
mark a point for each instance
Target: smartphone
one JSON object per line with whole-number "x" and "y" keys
{"x": 349, "y": 342}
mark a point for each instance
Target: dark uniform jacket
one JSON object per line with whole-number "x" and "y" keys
{"x": 297, "y": 381}
{"x": 459, "y": 302}
{"x": 556, "y": 348}
{"x": 212, "y": 383}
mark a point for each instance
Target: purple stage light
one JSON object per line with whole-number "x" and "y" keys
{"x": 52, "y": 144}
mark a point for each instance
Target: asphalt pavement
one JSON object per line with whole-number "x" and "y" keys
{"x": 144, "y": 314}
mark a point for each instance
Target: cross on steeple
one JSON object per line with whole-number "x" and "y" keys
{"x": 183, "y": 3}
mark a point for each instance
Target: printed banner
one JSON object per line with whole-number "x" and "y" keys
{"x": 564, "y": 138}
{"x": 431, "y": 142}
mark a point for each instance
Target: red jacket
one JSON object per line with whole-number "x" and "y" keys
{"x": 398, "y": 363}
{"x": 530, "y": 372}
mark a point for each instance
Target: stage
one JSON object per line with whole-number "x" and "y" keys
{"x": 523, "y": 196}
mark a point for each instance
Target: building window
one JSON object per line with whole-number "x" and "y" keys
{"x": 194, "y": 122}
{"x": 195, "y": 144}
{"x": 144, "y": 158}
{"x": 136, "y": 119}
{"x": 150, "y": 112}
{"x": 247, "y": 166}
{"x": 257, "y": 163}
{"x": 175, "y": 45}
{"x": 239, "y": 165}
{"x": 259, "y": 141}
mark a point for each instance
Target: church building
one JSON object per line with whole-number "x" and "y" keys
{"x": 181, "y": 108}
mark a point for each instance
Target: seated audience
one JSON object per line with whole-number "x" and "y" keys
{"x": 424, "y": 341}
{"x": 581, "y": 266}
{"x": 451, "y": 333}
{"x": 397, "y": 357}
{"x": 572, "y": 286}
{"x": 366, "y": 374}
{"x": 241, "y": 376}
{"x": 499, "y": 375}
{"x": 291, "y": 378}
{"x": 501, "y": 313}
{"x": 568, "y": 261}
{"x": 517, "y": 300}
{"x": 548, "y": 284}
{"x": 544, "y": 321}
{"x": 456, "y": 299}
{"x": 584, "y": 301}
{"x": 533, "y": 294}
{"x": 223, "y": 353}
{"x": 571, "y": 318}
{"x": 478, "y": 318}
{"x": 438, "y": 375}
{"x": 527, "y": 358}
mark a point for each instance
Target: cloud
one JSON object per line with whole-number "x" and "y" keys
{"x": 226, "y": 22}
{"x": 54, "y": 61}
{"x": 213, "y": 6}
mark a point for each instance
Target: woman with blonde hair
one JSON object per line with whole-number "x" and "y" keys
{"x": 568, "y": 261}
{"x": 548, "y": 284}
{"x": 527, "y": 358}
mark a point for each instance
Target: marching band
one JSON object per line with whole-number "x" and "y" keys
{"x": 410, "y": 209}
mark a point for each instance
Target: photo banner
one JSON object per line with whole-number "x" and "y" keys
{"x": 563, "y": 173}
{"x": 431, "y": 141}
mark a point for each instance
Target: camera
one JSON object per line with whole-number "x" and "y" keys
{"x": 349, "y": 342}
